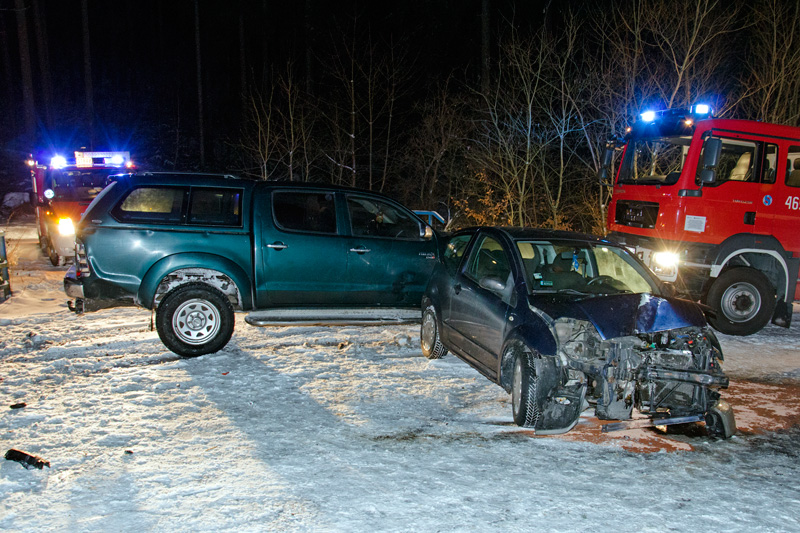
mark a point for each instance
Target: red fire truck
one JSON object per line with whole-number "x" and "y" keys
{"x": 62, "y": 191}
{"x": 713, "y": 205}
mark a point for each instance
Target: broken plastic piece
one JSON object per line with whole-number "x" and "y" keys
{"x": 19, "y": 405}
{"x": 26, "y": 459}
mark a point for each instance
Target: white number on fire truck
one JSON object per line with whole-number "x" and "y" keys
{"x": 793, "y": 202}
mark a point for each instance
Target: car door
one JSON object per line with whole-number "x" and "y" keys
{"x": 302, "y": 249}
{"x": 479, "y": 303}
{"x": 389, "y": 260}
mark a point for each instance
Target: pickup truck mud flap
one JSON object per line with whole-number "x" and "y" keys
{"x": 347, "y": 316}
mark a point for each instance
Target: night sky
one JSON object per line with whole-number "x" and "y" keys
{"x": 143, "y": 59}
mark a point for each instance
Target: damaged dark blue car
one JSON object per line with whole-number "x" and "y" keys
{"x": 565, "y": 321}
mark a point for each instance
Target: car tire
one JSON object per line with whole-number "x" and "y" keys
{"x": 195, "y": 319}
{"x": 525, "y": 403}
{"x": 743, "y": 299}
{"x": 430, "y": 340}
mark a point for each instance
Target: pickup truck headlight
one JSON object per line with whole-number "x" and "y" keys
{"x": 66, "y": 227}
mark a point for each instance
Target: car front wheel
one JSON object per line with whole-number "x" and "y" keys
{"x": 194, "y": 320}
{"x": 525, "y": 404}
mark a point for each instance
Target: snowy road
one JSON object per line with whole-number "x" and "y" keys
{"x": 351, "y": 429}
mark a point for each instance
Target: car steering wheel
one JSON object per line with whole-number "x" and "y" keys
{"x": 599, "y": 279}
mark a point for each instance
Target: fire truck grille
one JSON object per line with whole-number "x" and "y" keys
{"x": 636, "y": 214}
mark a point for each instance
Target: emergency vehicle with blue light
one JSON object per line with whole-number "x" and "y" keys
{"x": 713, "y": 206}
{"x": 62, "y": 191}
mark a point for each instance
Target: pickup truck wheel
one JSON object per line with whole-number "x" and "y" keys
{"x": 195, "y": 319}
{"x": 525, "y": 394}
{"x": 743, "y": 299}
{"x": 431, "y": 343}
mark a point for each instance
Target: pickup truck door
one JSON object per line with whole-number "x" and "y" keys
{"x": 389, "y": 262}
{"x": 302, "y": 254}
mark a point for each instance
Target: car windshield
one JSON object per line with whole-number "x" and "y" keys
{"x": 80, "y": 184}
{"x": 570, "y": 267}
{"x": 654, "y": 161}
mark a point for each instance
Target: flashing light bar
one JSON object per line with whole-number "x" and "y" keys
{"x": 116, "y": 159}
{"x": 701, "y": 109}
{"x": 648, "y": 116}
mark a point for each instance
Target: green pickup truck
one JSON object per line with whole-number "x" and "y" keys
{"x": 197, "y": 247}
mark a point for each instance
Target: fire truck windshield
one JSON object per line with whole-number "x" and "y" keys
{"x": 79, "y": 184}
{"x": 654, "y": 161}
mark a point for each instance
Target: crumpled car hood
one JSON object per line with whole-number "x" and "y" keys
{"x": 626, "y": 314}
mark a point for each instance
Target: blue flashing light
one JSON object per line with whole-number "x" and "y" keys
{"x": 58, "y": 162}
{"x": 117, "y": 160}
{"x": 648, "y": 116}
{"x": 702, "y": 109}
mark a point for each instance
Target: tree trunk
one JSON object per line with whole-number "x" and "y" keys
{"x": 27, "y": 76}
{"x": 485, "y": 37}
{"x": 44, "y": 62}
{"x": 87, "y": 71}
{"x": 200, "y": 125}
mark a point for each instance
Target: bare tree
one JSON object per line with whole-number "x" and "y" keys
{"x": 25, "y": 65}
{"x": 771, "y": 87}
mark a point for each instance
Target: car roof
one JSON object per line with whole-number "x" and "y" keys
{"x": 207, "y": 178}
{"x": 522, "y": 233}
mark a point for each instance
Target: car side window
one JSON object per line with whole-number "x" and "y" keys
{"x": 454, "y": 251}
{"x": 374, "y": 218}
{"x": 312, "y": 212}
{"x": 215, "y": 207}
{"x": 489, "y": 260}
{"x": 156, "y": 205}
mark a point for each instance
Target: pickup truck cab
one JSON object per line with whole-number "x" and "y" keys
{"x": 194, "y": 248}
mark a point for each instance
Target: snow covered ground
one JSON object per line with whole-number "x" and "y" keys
{"x": 351, "y": 429}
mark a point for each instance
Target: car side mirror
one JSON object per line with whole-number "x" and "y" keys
{"x": 492, "y": 284}
{"x": 426, "y": 232}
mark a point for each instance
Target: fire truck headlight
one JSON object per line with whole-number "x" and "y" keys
{"x": 665, "y": 260}
{"x": 649, "y": 116}
{"x": 66, "y": 227}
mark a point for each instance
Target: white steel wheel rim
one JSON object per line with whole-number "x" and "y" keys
{"x": 516, "y": 387}
{"x": 732, "y": 296}
{"x": 428, "y": 332}
{"x": 196, "y": 321}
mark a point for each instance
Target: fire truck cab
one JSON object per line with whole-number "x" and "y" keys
{"x": 713, "y": 206}
{"x": 62, "y": 191}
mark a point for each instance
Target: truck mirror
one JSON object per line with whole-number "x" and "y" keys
{"x": 711, "y": 152}
{"x": 712, "y": 149}
{"x": 604, "y": 174}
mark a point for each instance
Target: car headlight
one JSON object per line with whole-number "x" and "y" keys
{"x": 66, "y": 227}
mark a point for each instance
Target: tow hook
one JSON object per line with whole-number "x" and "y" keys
{"x": 77, "y": 306}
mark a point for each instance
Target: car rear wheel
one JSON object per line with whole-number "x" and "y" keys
{"x": 195, "y": 319}
{"x": 525, "y": 405}
{"x": 431, "y": 343}
{"x": 743, "y": 299}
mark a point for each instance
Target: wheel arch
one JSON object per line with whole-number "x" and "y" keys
{"x": 179, "y": 269}
{"x": 532, "y": 337}
{"x": 760, "y": 252}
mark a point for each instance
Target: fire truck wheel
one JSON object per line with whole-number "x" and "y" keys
{"x": 195, "y": 319}
{"x": 743, "y": 299}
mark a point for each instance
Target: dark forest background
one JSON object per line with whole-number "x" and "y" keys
{"x": 490, "y": 111}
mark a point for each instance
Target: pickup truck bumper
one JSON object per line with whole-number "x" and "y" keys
{"x": 80, "y": 303}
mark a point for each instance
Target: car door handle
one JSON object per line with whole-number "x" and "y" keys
{"x": 361, "y": 250}
{"x": 277, "y": 245}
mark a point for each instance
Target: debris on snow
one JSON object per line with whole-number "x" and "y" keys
{"x": 26, "y": 459}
